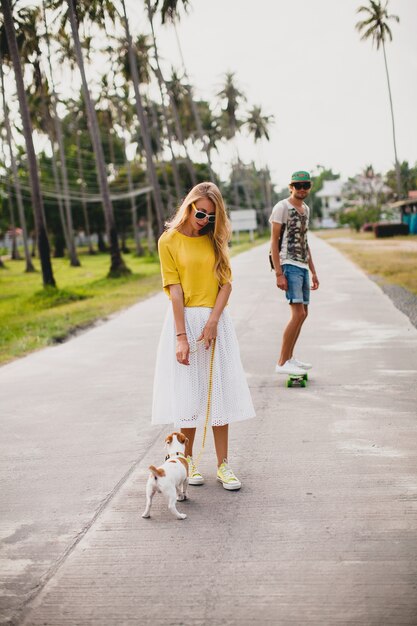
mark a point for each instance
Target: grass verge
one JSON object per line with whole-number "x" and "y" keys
{"x": 393, "y": 259}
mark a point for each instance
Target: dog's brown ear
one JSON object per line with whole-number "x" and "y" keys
{"x": 168, "y": 439}
{"x": 181, "y": 438}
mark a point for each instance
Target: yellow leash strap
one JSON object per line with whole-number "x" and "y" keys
{"x": 210, "y": 387}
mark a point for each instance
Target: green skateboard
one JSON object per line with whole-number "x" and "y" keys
{"x": 295, "y": 379}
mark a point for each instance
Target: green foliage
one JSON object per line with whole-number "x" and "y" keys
{"x": 357, "y": 217}
{"x": 408, "y": 178}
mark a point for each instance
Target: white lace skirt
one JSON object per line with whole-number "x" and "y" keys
{"x": 180, "y": 391}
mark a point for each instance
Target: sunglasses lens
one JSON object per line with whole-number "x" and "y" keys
{"x": 200, "y": 215}
{"x": 299, "y": 186}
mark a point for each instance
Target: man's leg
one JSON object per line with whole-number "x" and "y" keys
{"x": 292, "y": 331}
{"x": 299, "y": 330}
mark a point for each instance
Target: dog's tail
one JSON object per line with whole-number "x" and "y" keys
{"x": 158, "y": 472}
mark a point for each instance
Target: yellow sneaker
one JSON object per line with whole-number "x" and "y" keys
{"x": 226, "y": 476}
{"x": 194, "y": 476}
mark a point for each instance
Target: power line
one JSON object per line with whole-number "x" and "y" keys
{"x": 90, "y": 198}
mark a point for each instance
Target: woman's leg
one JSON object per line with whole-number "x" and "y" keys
{"x": 190, "y": 434}
{"x": 221, "y": 441}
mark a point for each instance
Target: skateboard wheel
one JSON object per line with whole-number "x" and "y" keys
{"x": 289, "y": 383}
{"x": 305, "y": 377}
{"x": 303, "y": 383}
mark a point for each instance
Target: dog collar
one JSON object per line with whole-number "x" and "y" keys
{"x": 175, "y": 455}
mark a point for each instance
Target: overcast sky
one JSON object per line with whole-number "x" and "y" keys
{"x": 304, "y": 63}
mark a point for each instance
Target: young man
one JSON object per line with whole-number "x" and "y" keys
{"x": 292, "y": 259}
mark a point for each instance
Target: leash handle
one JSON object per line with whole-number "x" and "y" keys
{"x": 210, "y": 387}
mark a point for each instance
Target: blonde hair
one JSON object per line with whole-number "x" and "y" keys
{"x": 219, "y": 235}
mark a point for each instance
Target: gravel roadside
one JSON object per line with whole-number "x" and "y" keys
{"x": 403, "y": 299}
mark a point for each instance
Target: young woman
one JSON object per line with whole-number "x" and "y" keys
{"x": 196, "y": 276}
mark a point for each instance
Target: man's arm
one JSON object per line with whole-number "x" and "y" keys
{"x": 314, "y": 279}
{"x": 275, "y": 235}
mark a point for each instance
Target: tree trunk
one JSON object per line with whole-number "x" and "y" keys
{"x": 180, "y": 136}
{"x": 118, "y": 266}
{"x": 159, "y": 150}
{"x": 101, "y": 244}
{"x": 16, "y": 181}
{"x": 43, "y": 243}
{"x": 397, "y": 165}
{"x": 138, "y": 245}
{"x": 150, "y": 226}
{"x": 14, "y": 251}
{"x": 59, "y": 200}
{"x": 153, "y": 179}
{"x": 69, "y": 236}
{"x": 83, "y": 202}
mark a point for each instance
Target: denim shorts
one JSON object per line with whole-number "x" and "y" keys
{"x": 298, "y": 284}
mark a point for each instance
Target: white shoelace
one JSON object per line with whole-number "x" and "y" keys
{"x": 193, "y": 469}
{"x": 229, "y": 473}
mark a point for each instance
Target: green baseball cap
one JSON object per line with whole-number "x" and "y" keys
{"x": 301, "y": 177}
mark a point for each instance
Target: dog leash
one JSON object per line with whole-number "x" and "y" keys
{"x": 210, "y": 387}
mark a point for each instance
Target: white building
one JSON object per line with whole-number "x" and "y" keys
{"x": 332, "y": 201}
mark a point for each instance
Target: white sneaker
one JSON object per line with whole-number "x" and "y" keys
{"x": 289, "y": 368}
{"x": 297, "y": 363}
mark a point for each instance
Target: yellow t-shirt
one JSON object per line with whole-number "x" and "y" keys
{"x": 189, "y": 261}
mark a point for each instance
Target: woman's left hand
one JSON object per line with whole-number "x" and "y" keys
{"x": 209, "y": 333}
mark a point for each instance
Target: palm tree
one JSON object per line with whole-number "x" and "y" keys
{"x": 162, "y": 85}
{"x": 141, "y": 48}
{"x": 118, "y": 266}
{"x": 59, "y": 137}
{"x": 258, "y": 126}
{"x": 232, "y": 98}
{"x": 375, "y": 27}
{"x": 175, "y": 92}
{"x": 43, "y": 242}
{"x": 170, "y": 11}
{"x": 153, "y": 179}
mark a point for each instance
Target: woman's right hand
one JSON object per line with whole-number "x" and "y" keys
{"x": 183, "y": 350}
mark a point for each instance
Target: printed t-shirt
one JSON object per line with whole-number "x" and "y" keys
{"x": 189, "y": 261}
{"x": 294, "y": 246}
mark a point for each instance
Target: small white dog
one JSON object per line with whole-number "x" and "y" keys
{"x": 171, "y": 479}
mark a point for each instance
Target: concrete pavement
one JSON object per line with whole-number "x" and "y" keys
{"x": 324, "y": 528}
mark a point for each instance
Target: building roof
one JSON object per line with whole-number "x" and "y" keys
{"x": 401, "y": 203}
{"x": 331, "y": 188}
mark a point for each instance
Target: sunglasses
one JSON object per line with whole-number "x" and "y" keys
{"x": 201, "y": 215}
{"x": 299, "y": 186}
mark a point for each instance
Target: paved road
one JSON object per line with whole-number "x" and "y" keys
{"x": 324, "y": 529}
